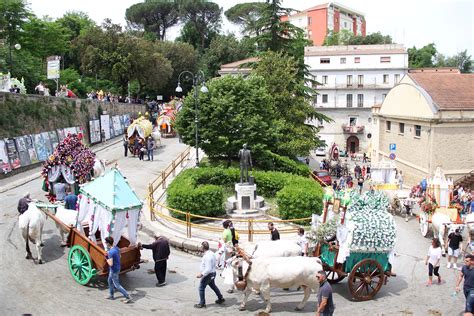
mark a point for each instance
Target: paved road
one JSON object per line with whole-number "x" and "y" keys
{"x": 49, "y": 289}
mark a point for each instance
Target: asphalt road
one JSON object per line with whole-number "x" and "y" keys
{"x": 30, "y": 288}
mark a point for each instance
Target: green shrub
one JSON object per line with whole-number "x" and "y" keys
{"x": 300, "y": 198}
{"x": 270, "y": 161}
{"x": 201, "y": 191}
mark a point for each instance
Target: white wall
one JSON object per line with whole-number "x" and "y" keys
{"x": 397, "y": 61}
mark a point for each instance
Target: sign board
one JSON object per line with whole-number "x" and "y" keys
{"x": 159, "y": 98}
{"x": 393, "y": 147}
{"x": 392, "y": 156}
{"x": 53, "y": 67}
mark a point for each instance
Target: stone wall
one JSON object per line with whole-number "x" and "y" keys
{"x": 32, "y": 114}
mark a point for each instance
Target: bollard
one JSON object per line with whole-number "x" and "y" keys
{"x": 188, "y": 225}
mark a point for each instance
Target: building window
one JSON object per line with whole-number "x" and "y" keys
{"x": 360, "y": 81}
{"x": 345, "y": 25}
{"x": 349, "y": 80}
{"x": 385, "y": 79}
{"x": 385, "y": 59}
{"x": 417, "y": 130}
{"x": 388, "y": 126}
{"x": 401, "y": 127}
{"x": 397, "y": 78}
{"x": 343, "y": 60}
{"x": 360, "y": 100}
{"x": 325, "y": 98}
{"x": 325, "y": 79}
{"x": 352, "y": 121}
{"x": 315, "y": 99}
{"x": 324, "y": 60}
{"x": 384, "y": 95}
{"x": 356, "y": 60}
{"x": 349, "y": 100}
{"x": 309, "y": 20}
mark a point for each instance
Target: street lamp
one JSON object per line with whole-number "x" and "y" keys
{"x": 17, "y": 47}
{"x": 198, "y": 79}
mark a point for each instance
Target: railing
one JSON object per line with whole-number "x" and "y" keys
{"x": 319, "y": 180}
{"x": 352, "y": 129}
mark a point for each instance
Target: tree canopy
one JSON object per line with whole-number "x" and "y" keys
{"x": 346, "y": 37}
{"x": 246, "y": 15}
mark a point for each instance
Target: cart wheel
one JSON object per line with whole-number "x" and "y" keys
{"x": 424, "y": 225}
{"x": 333, "y": 277}
{"x": 80, "y": 265}
{"x": 366, "y": 279}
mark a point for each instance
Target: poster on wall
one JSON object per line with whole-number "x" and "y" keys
{"x": 105, "y": 125}
{"x": 40, "y": 146}
{"x": 53, "y": 137}
{"x": 61, "y": 134}
{"x": 126, "y": 120}
{"x": 70, "y": 130}
{"x": 4, "y": 163}
{"x": 117, "y": 125}
{"x": 22, "y": 150}
{"x": 80, "y": 133}
{"x": 111, "y": 126}
{"x": 47, "y": 142}
{"x": 13, "y": 153}
{"x": 30, "y": 145}
{"x": 94, "y": 130}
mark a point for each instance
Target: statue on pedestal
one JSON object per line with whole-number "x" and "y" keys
{"x": 245, "y": 163}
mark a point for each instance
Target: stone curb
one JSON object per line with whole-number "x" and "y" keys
{"x": 22, "y": 181}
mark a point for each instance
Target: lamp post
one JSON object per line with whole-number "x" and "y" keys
{"x": 10, "y": 47}
{"x": 198, "y": 79}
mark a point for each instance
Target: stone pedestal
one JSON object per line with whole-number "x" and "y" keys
{"x": 245, "y": 200}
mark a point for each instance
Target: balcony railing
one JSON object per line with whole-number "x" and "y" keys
{"x": 354, "y": 86}
{"x": 352, "y": 129}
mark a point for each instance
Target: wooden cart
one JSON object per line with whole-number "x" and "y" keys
{"x": 366, "y": 271}
{"x": 87, "y": 259}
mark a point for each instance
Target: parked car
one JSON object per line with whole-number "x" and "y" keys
{"x": 323, "y": 175}
{"x": 321, "y": 151}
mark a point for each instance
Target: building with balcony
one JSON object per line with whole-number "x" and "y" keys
{"x": 317, "y": 21}
{"x": 351, "y": 80}
{"x": 429, "y": 116}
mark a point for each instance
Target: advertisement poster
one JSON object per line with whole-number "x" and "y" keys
{"x": 126, "y": 121}
{"x": 70, "y": 130}
{"x": 53, "y": 137}
{"x": 30, "y": 145}
{"x": 13, "y": 153}
{"x": 61, "y": 134}
{"x": 47, "y": 142}
{"x": 105, "y": 125}
{"x": 94, "y": 129}
{"x": 117, "y": 125}
{"x": 42, "y": 146}
{"x": 22, "y": 150}
{"x": 4, "y": 164}
{"x": 80, "y": 133}
{"x": 111, "y": 126}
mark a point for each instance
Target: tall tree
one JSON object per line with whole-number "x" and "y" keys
{"x": 13, "y": 14}
{"x": 154, "y": 16}
{"x": 246, "y": 15}
{"x": 75, "y": 22}
{"x": 202, "y": 22}
{"x": 461, "y": 60}
{"x": 423, "y": 57}
{"x": 54, "y": 38}
{"x": 346, "y": 37}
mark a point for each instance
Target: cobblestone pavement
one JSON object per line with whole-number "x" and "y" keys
{"x": 49, "y": 288}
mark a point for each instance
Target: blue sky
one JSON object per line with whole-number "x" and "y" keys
{"x": 448, "y": 23}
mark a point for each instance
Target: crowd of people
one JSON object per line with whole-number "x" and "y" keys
{"x": 139, "y": 147}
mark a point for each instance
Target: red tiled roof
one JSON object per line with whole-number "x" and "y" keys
{"x": 238, "y": 63}
{"x": 450, "y": 90}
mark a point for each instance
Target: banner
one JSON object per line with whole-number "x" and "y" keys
{"x": 13, "y": 153}
{"x": 22, "y": 150}
{"x": 53, "y": 67}
{"x": 126, "y": 121}
{"x": 105, "y": 126}
{"x": 4, "y": 163}
{"x": 111, "y": 126}
{"x": 117, "y": 125}
{"x": 47, "y": 143}
{"x": 94, "y": 130}
{"x": 31, "y": 149}
{"x": 53, "y": 137}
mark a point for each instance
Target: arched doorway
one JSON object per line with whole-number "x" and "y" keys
{"x": 352, "y": 144}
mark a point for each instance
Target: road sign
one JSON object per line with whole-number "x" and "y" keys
{"x": 393, "y": 147}
{"x": 392, "y": 156}
{"x": 53, "y": 67}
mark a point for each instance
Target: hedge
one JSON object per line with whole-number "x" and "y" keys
{"x": 201, "y": 191}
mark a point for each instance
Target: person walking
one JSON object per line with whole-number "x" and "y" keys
{"x": 275, "y": 235}
{"x": 432, "y": 260}
{"x": 467, "y": 274}
{"x": 150, "y": 146}
{"x": 70, "y": 200}
{"x": 23, "y": 203}
{"x": 325, "y": 302}
{"x": 161, "y": 252}
{"x": 59, "y": 189}
{"x": 360, "y": 183}
{"x": 235, "y": 234}
{"x": 125, "y": 144}
{"x": 454, "y": 247}
{"x": 302, "y": 242}
{"x": 208, "y": 276}
{"x": 113, "y": 260}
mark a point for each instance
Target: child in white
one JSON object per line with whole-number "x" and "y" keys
{"x": 432, "y": 260}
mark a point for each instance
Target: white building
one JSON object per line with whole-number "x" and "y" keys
{"x": 352, "y": 80}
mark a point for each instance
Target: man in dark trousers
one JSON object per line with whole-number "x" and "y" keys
{"x": 161, "y": 252}
{"x": 273, "y": 231}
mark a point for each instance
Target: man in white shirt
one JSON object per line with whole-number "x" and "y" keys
{"x": 40, "y": 88}
{"x": 208, "y": 276}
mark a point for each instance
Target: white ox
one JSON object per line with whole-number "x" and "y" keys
{"x": 272, "y": 248}
{"x": 278, "y": 272}
{"x": 442, "y": 224}
{"x": 99, "y": 167}
{"x": 31, "y": 224}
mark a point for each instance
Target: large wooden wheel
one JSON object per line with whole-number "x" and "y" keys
{"x": 424, "y": 224}
{"x": 333, "y": 277}
{"x": 80, "y": 265}
{"x": 366, "y": 279}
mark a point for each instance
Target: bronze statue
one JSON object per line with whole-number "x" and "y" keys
{"x": 245, "y": 163}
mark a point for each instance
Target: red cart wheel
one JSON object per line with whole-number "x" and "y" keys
{"x": 366, "y": 279}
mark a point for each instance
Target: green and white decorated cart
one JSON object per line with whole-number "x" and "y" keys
{"x": 355, "y": 240}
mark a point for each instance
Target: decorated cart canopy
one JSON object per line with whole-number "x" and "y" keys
{"x": 440, "y": 188}
{"x": 71, "y": 159}
{"x": 383, "y": 172}
{"x": 141, "y": 126}
{"x": 109, "y": 205}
